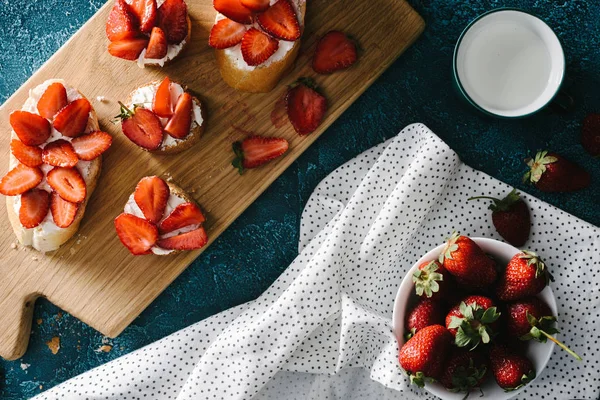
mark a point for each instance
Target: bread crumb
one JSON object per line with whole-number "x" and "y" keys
{"x": 13, "y": 246}
{"x": 58, "y": 316}
{"x": 41, "y": 387}
{"x": 101, "y": 99}
{"x": 105, "y": 348}
{"x": 54, "y": 344}
{"x": 34, "y": 258}
{"x": 39, "y": 321}
{"x": 24, "y": 366}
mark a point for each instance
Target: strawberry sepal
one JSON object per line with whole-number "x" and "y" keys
{"x": 525, "y": 379}
{"x": 419, "y": 379}
{"x": 238, "y": 161}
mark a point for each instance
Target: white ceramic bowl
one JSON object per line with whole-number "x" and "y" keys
{"x": 538, "y": 353}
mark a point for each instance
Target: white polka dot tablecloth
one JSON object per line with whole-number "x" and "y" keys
{"x": 323, "y": 329}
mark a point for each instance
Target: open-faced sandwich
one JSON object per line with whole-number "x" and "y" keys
{"x": 256, "y": 41}
{"x": 153, "y": 32}
{"x": 162, "y": 117}
{"x": 160, "y": 218}
{"x": 55, "y": 162}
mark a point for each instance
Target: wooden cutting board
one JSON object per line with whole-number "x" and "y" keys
{"x": 93, "y": 276}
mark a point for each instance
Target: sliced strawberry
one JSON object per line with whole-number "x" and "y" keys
{"x": 32, "y": 129}
{"x": 256, "y": 5}
{"x": 20, "y": 179}
{"x": 172, "y": 18}
{"x": 28, "y": 155}
{"x": 128, "y": 49}
{"x": 60, "y": 153}
{"x": 142, "y": 127}
{"x": 145, "y": 12}
{"x": 161, "y": 105}
{"x": 183, "y": 215}
{"x": 53, "y": 100}
{"x": 34, "y": 207}
{"x": 72, "y": 120}
{"x": 280, "y": 21}
{"x": 255, "y": 151}
{"x": 157, "y": 46}
{"x": 334, "y": 51}
{"x": 137, "y": 234}
{"x": 151, "y": 195}
{"x": 91, "y": 146}
{"x": 234, "y": 10}
{"x": 305, "y": 106}
{"x": 191, "y": 240}
{"x": 226, "y": 33}
{"x": 68, "y": 183}
{"x": 181, "y": 121}
{"x": 121, "y": 23}
{"x": 63, "y": 211}
{"x": 257, "y": 47}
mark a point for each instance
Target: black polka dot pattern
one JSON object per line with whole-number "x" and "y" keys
{"x": 323, "y": 329}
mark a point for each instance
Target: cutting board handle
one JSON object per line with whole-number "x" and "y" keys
{"x": 16, "y": 324}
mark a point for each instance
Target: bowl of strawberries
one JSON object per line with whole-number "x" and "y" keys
{"x": 475, "y": 314}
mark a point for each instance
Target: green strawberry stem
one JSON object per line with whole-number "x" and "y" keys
{"x": 561, "y": 345}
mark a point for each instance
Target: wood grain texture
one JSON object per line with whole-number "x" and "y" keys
{"x": 93, "y": 276}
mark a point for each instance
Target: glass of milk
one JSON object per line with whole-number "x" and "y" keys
{"x": 508, "y": 63}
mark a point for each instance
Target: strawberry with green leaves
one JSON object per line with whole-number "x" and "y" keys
{"x": 464, "y": 371}
{"x": 511, "y": 369}
{"x": 472, "y": 321}
{"x": 431, "y": 280}
{"x": 550, "y": 172}
{"x": 525, "y": 275}
{"x": 427, "y": 312}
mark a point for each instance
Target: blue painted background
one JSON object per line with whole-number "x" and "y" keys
{"x": 263, "y": 241}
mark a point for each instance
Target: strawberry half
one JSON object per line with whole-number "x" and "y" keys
{"x": 72, "y": 120}
{"x": 53, "y": 100}
{"x": 334, "y": 51}
{"x": 142, "y": 127}
{"x": 63, "y": 211}
{"x": 305, "y": 106}
{"x": 192, "y": 240}
{"x": 121, "y": 22}
{"x": 91, "y": 146}
{"x": 179, "y": 124}
{"x": 28, "y": 155}
{"x": 137, "y": 234}
{"x": 145, "y": 11}
{"x": 172, "y": 18}
{"x": 32, "y": 129}
{"x": 234, "y": 10}
{"x": 590, "y": 134}
{"x": 257, "y": 47}
{"x": 226, "y": 33}
{"x": 256, "y": 5}
{"x": 183, "y": 215}
{"x": 60, "y": 153}
{"x": 151, "y": 195}
{"x": 68, "y": 183}
{"x": 280, "y": 21}
{"x": 255, "y": 151}
{"x": 20, "y": 179}
{"x": 128, "y": 49}
{"x": 34, "y": 207}
{"x": 161, "y": 104}
{"x": 157, "y": 46}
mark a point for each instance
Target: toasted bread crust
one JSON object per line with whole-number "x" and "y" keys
{"x": 185, "y": 44}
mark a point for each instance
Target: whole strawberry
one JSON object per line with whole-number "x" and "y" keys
{"x": 510, "y": 217}
{"x": 423, "y": 355}
{"x": 469, "y": 265}
{"x": 525, "y": 275}
{"x": 464, "y": 370}
{"x": 431, "y": 280}
{"x": 511, "y": 369}
{"x": 472, "y": 321}
{"x": 550, "y": 172}
{"x": 427, "y": 312}
{"x": 590, "y": 134}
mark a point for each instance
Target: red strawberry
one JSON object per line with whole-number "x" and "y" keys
{"x": 550, "y": 172}
{"x": 63, "y": 211}
{"x": 335, "y": 51}
{"x": 234, "y": 10}
{"x": 128, "y": 49}
{"x": 472, "y": 321}
{"x": 91, "y": 146}
{"x": 121, "y": 22}
{"x": 431, "y": 280}
{"x": 510, "y": 217}
{"x": 226, "y": 33}
{"x": 255, "y": 151}
{"x": 192, "y": 240}
{"x": 423, "y": 355}
{"x": 181, "y": 121}
{"x": 590, "y": 134}
{"x": 511, "y": 369}
{"x": 427, "y": 312}
{"x": 305, "y": 106}
{"x": 34, "y": 207}
{"x": 464, "y": 371}
{"x": 28, "y": 155}
{"x": 32, "y": 129}
{"x": 20, "y": 179}
{"x": 525, "y": 275}
{"x": 60, "y": 153}
{"x": 172, "y": 18}
{"x": 280, "y": 21}
{"x": 68, "y": 183}
{"x": 72, "y": 120}
{"x": 161, "y": 104}
{"x": 183, "y": 215}
{"x": 469, "y": 265}
{"x": 256, "y": 5}
{"x": 145, "y": 11}
{"x": 151, "y": 195}
{"x": 142, "y": 127}
{"x": 53, "y": 100}
{"x": 157, "y": 46}
{"x": 137, "y": 234}
{"x": 257, "y": 47}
